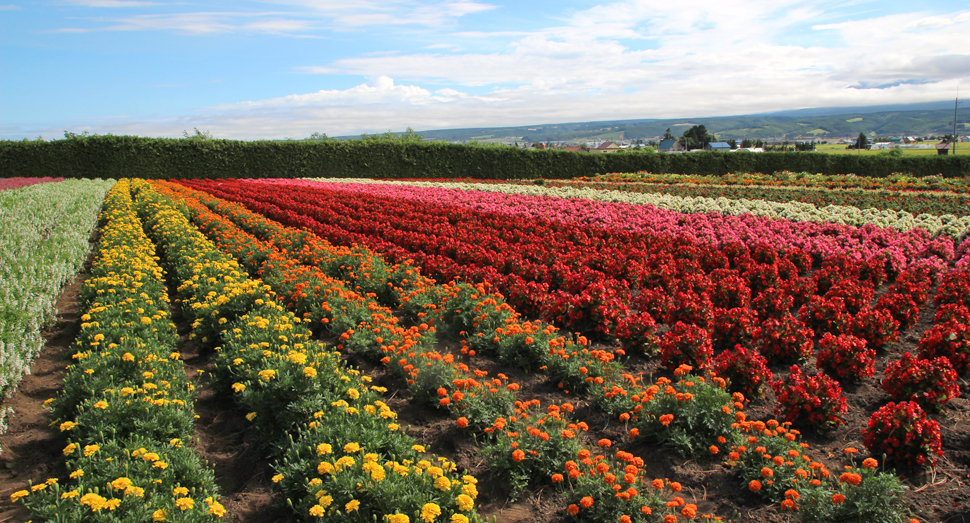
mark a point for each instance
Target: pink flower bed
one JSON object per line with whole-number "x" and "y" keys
{"x": 13, "y": 183}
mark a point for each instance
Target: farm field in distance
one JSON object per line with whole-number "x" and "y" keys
{"x": 632, "y": 347}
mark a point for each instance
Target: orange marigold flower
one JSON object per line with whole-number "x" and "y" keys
{"x": 670, "y": 518}
{"x": 646, "y": 510}
{"x": 754, "y": 485}
{"x": 634, "y": 433}
{"x": 792, "y": 493}
{"x": 767, "y": 472}
{"x": 584, "y": 454}
{"x": 788, "y": 505}
{"x": 604, "y": 443}
{"x": 851, "y": 478}
{"x": 462, "y": 422}
{"x": 625, "y": 519}
{"x": 689, "y": 512}
{"x": 838, "y": 498}
{"x": 573, "y": 510}
{"x": 674, "y": 486}
{"x": 658, "y": 484}
{"x": 713, "y": 449}
{"x": 586, "y": 502}
{"x": 518, "y": 455}
{"x": 557, "y": 478}
{"x": 870, "y": 463}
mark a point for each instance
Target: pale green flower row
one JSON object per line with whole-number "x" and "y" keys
{"x": 43, "y": 245}
{"x": 947, "y": 224}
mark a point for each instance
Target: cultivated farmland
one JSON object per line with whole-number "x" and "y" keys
{"x": 628, "y": 348}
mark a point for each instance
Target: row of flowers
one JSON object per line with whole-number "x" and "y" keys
{"x": 43, "y": 246}
{"x": 339, "y": 454}
{"x": 16, "y": 182}
{"x": 528, "y": 444}
{"x": 689, "y": 398}
{"x": 624, "y": 206}
{"x": 126, "y": 408}
{"x": 915, "y": 203}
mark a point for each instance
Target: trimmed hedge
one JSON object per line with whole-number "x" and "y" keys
{"x": 121, "y": 156}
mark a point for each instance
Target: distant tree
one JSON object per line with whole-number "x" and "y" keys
{"x": 318, "y": 137}
{"x": 805, "y": 146}
{"x": 759, "y": 143}
{"x": 408, "y": 136}
{"x": 668, "y": 135}
{"x": 747, "y": 143}
{"x": 696, "y": 137}
{"x": 733, "y": 143}
{"x": 862, "y": 142}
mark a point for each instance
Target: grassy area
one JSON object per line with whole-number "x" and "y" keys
{"x": 962, "y": 149}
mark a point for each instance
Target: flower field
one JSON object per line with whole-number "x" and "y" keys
{"x": 418, "y": 351}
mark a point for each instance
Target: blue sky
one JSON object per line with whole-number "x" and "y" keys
{"x": 271, "y": 69}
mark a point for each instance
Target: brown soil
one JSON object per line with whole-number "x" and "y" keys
{"x": 31, "y": 450}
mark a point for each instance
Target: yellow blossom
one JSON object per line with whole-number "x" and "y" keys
{"x": 238, "y": 387}
{"x": 158, "y": 515}
{"x": 277, "y": 478}
{"x": 17, "y": 495}
{"x": 429, "y": 512}
{"x": 69, "y": 449}
{"x": 317, "y": 511}
{"x": 324, "y": 448}
{"x": 91, "y": 449}
{"x": 184, "y": 503}
{"x": 352, "y": 447}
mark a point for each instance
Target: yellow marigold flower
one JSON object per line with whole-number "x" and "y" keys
{"x": 180, "y": 491}
{"x": 296, "y": 357}
{"x": 111, "y": 504}
{"x": 184, "y": 503}
{"x": 324, "y": 468}
{"x": 469, "y": 479}
{"x": 430, "y": 511}
{"x": 277, "y": 478}
{"x": 324, "y": 448}
{"x": 160, "y": 465}
{"x": 470, "y": 490}
{"x": 17, "y": 495}
{"x": 101, "y": 405}
{"x": 397, "y": 518}
{"x": 128, "y": 357}
{"x": 344, "y": 462}
{"x": 138, "y": 492}
{"x": 146, "y": 320}
{"x": 69, "y": 449}
{"x": 238, "y": 387}
{"x": 465, "y": 502}
{"x": 67, "y": 425}
{"x": 93, "y": 500}
{"x": 317, "y": 511}
{"x": 417, "y": 448}
{"x": 352, "y": 505}
{"x": 393, "y": 427}
{"x": 91, "y": 449}
{"x": 121, "y": 483}
{"x": 158, "y": 515}
{"x": 353, "y": 393}
{"x": 151, "y": 456}
{"x": 76, "y": 474}
{"x": 70, "y": 494}
{"x": 99, "y": 337}
{"x": 267, "y": 374}
{"x": 251, "y": 416}
{"x": 351, "y": 447}
{"x": 310, "y": 372}
{"x": 442, "y": 483}
{"x": 325, "y": 501}
{"x": 175, "y": 442}
{"x": 39, "y": 486}
{"x": 315, "y": 482}
{"x": 216, "y": 509}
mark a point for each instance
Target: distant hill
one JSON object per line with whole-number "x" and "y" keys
{"x": 924, "y": 119}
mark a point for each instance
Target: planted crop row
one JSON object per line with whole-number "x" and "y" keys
{"x": 13, "y": 183}
{"x": 44, "y": 244}
{"x": 769, "y": 209}
{"x": 914, "y": 203}
{"x": 691, "y": 414}
{"x": 339, "y": 452}
{"x": 126, "y": 408}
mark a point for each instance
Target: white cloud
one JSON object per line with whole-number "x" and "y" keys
{"x": 10, "y": 8}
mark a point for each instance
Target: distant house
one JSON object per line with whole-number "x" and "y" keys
{"x": 718, "y": 146}
{"x": 670, "y": 146}
{"x": 749, "y": 149}
{"x": 576, "y": 149}
{"x": 882, "y": 145}
{"x": 943, "y": 148}
{"x": 605, "y": 147}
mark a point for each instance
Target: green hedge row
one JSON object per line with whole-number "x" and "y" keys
{"x": 121, "y": 156}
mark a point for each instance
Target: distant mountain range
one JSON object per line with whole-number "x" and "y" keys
{"x": 828, "y": 123}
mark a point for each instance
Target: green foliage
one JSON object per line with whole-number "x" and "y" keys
{"x": 119, "y": 156}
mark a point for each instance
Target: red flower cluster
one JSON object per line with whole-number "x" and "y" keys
{"x": 931, "y": 383}
{"x": 846, "y": 356}
{"x": 815, "y": 401}
{"x": 744, "y": 369}
{"x": 902, "y": 432}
